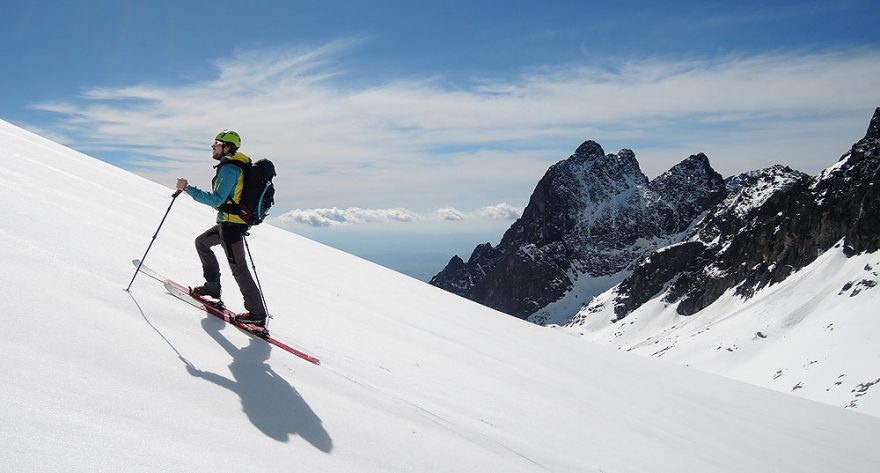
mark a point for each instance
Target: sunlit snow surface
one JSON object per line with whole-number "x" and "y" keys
{"x": 816, "y": 334}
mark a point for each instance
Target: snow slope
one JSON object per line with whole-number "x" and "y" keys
{"x": 412, "y": 378}
{"x": 816, "y": 334}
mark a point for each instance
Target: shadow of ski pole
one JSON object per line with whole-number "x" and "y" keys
{"x": 147, "y": 320}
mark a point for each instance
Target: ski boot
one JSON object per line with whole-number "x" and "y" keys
{"x": 211, "y": 289}
{"x": 255, "y": 323}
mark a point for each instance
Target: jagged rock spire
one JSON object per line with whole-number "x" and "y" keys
{"x": 874, "y": 127}
{"x": 589, "y": 148}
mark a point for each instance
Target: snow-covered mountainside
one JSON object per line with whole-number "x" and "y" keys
{"x": 96, "y": 379}
{"x": 815, "y": 335}
{"x": 774, "y": 286}
{"x": 589, "y": 219}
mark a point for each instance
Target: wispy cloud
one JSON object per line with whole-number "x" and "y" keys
{"x": 417, "y": 141}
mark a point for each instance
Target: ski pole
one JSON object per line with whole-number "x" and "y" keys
{"x": 136, "y": 271}
{"x": 259, "y": 286}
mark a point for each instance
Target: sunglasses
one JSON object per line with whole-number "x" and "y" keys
{"x": 218, "y": 143}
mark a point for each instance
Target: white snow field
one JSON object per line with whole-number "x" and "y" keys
{"x": 413, "y": 379}
{"x": 806, "y": 335}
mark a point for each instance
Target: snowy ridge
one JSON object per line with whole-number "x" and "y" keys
{"x": 812, "y": 335}
{"x": 412, "y": 378}
{"x": 749, "y": 191}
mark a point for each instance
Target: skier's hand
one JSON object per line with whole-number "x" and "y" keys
{"x": 181, "y": 184}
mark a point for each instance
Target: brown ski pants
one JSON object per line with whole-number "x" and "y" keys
{"x": 230, "y": 236}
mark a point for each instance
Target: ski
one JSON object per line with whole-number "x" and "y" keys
{"x": 182, "y": 293}
{"x": 147, "y": 271}
{"x": 213, "y": 308}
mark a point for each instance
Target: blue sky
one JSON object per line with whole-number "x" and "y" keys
{"x": 438, "y": 118}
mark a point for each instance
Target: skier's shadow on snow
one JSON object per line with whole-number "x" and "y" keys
{"x": 270, "y": 402}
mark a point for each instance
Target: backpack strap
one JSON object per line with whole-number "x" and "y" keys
{"x": 229, "y": 206}
{"x": 243, "y": 166}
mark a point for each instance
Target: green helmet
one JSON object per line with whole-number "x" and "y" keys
{"x": 229, "y": 136}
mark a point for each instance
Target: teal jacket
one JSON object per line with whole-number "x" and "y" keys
{"x": 227, "y": 186}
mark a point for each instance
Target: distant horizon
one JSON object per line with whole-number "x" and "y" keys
{"x": 418, "y": 255}
{"x": 423, "y": 255}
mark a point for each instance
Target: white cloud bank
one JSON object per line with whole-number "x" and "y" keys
{"x": 450, "y": 214}
{"x": 335, "y": 217}
{"x": 502, "y": 211}
{"x": 351, "y": 216}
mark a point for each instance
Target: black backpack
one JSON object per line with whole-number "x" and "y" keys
{"x": 258, "y": 193}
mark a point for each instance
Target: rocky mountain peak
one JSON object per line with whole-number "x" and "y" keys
{"x": 588, "y": 149}
{"x": 626, "y": 154}
{"x": 693, "y": 171}
{"x": 590, "y": 163}
{"x": 696, "y": 162}
{"x": 590, "y": 216}
{"x": 482, "y": 252}
{"x": 874, "y": 127}
{"x": 867, "y": 147}
{"x": 591, "y": 173}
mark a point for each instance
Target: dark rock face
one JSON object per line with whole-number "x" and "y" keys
{"x": 651, "y": 277}
{"x": 593, "y": 214}
{"x": 864, "y": 159}
{"x": 772, "y": 223}
{"x": 712, "y": 256}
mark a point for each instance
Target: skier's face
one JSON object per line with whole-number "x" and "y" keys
{"x": 217, "y": 148}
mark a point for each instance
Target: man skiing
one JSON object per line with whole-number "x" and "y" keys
{"x": 230, "y": 229}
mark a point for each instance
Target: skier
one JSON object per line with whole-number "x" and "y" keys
{"x": 230, "y": 229}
